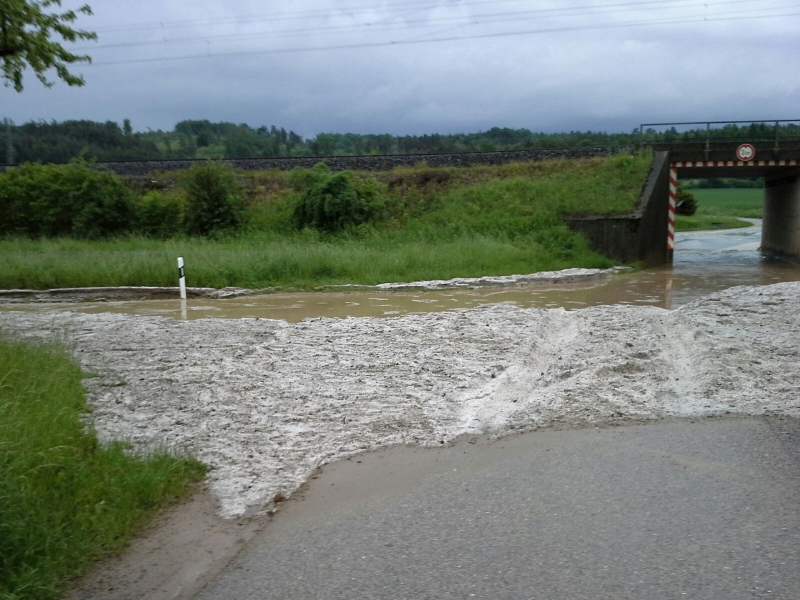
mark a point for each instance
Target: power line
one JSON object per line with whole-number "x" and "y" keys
{"x": 297, "y": 15}
{"x": 294, "y": 15}
{"x": 364, "y": 45}
{"x": 462, "y": 20}
{"x": 564, "y": 9}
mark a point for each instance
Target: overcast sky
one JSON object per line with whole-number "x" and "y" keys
{"x": 428, "y": 66}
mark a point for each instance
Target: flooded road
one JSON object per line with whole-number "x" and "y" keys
{"x": 705, "y": 262}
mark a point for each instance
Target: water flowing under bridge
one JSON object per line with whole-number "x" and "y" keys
{"x": 766, "y": 149}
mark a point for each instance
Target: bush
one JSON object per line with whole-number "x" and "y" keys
{"x": 686, "y": 202}
{"x": 77, "y": 199}
{"x": 160, "y": 215}
{"x": 338, "y": 202}
{"x": 213, "y": 199}
{"x": 302, "y": 179}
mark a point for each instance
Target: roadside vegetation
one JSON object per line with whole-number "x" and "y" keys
{"x": 311, "y": 227}
{"x": 66, "y": 500}
{"x": 720, "y": 208}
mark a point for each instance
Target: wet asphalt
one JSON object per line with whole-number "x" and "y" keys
{"x": 706, "y": 509}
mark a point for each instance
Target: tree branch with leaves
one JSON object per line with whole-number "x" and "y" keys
{"x": 28, "y": 38}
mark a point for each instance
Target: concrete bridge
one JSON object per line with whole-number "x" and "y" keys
{"x": 776, "y": 160}
{"x": 647, "y": 235}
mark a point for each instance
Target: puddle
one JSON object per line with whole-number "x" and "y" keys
{"x": 705, "y": 262}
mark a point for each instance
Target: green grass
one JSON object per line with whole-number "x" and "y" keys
{"x": 438, "y": 224}
{"x": 718, "y": 208}
{"x": 292, "y": 262}
{"x": 732, "y": 202}
{"x": 65, "y": 500}
{"x": 702, "y": 223}
{"x": 607, "y": 185}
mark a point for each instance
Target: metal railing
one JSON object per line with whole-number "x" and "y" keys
{"x": 778, "y": 130}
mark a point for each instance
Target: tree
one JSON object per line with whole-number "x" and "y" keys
{"x": 214, "y": 201}
{"x": 241, "y": 143}
{"x": 686, "y": 202}
{"x": 324, "y": 144}
{"x": 335, "y": 202}
{"x": 26, "y": 32}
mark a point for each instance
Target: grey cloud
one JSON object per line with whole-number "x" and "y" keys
{"x": 610, "y": 79}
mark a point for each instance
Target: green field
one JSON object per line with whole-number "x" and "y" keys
{"x": 719, "y": 208}
{"x": 65, "y": 500}
{"x": 438, "y": 223}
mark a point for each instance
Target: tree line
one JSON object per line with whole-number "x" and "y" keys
{"x": 60, "y": 142}
{"x": 54, "y": 142}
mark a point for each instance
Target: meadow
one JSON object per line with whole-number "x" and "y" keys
{"x": 429, "y": 224}
{"x": 719, "y": 208}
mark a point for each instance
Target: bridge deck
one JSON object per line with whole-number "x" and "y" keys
{"x": 718, "y": 159}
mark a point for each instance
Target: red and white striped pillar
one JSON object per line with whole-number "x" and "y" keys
{"x": 673, "y": 191}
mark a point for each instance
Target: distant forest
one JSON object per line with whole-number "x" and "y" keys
{"x": 55, "y": 142}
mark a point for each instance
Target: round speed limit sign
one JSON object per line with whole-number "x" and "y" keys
{"x": 745, "y": 152}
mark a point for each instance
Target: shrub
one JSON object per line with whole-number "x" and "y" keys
{"x": 213, "y": 199}
{"x": 338, "y": 202}
{"x": 160, "y": 215}
{"x": 686, "y": 202}
{"x": 77, "y": 199}
{"x": 302, "y": 179}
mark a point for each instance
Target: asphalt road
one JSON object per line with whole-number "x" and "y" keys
{"x": 700, "y": 510}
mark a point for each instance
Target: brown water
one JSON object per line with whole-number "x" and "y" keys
{"x": 705, "y": 262}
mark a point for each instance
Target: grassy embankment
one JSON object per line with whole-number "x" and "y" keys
{"x": 439, "y": 223}
{"x": 719, "y": 209}
{"x": 65, "y": 501}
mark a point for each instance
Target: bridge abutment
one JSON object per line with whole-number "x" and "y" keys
{"x": 781, "y": 225}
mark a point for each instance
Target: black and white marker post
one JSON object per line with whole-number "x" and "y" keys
{"x": 182, "y": 277}
{"x": 182, "y": 283}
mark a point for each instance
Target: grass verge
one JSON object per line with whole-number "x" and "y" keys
{"x": 288, "y": 261}
{"x": 65, "y": 500}
{"x": 704, "y": 223}
{"x": 438, "y": 224}
{"x": 719, "y": 209}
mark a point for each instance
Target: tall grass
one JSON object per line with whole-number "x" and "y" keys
{"x": 65, "y": 500}
{"x": 295, "y": 262}
{"x": 438, "y": 223}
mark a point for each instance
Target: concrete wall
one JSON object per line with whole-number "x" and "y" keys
{"x": 781, "y": 226}
{"x": 640, "y": 236}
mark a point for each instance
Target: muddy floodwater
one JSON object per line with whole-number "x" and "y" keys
{"x": 266, "y": 402}
{"x": 705, "y": 262}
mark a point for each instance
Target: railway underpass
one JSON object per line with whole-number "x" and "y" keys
{"x": 775, "y": 160}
